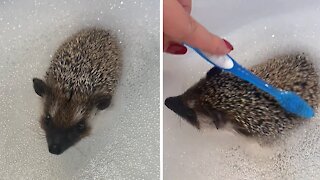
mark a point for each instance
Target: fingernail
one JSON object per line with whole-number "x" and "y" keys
{"x": 229, "y": 46}
{"x": 175, "y": 48}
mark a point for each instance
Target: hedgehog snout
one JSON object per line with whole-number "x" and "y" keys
{"x": 60, "y": 139}
{"x": 55, "y": 149}
{"x": 58, "y": 142}
{"x": 177, "y": 105}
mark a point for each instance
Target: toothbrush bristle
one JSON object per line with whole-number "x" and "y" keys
{"x": 293, "y": 103}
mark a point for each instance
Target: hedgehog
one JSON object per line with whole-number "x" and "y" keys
{"x": 80, "y": 81}
{"x": 220, "y": 98}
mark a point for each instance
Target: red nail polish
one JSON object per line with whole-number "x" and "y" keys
{"x": 228, "y": 44}
{"x": 175, "y": 48}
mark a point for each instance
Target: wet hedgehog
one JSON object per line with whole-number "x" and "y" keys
{"x": 221, "y": 97}
{"x": 81, "y": 79}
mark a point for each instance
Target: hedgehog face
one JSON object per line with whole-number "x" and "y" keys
{"x": 189, "y": 110}
{"x": 191, "y": 105}
{"x": 64, "y": 123}
{"x": 60, "y": 139}
{"x": 177, "y": 105}
{"x": 65, "y": 119}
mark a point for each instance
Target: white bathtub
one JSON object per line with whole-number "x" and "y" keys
{"x": 124, "y": 143}
{"x": 257, "y": 30}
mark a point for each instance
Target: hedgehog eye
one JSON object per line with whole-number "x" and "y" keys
{"x": 47, "y": 119}
{"x": 81, "y": 126}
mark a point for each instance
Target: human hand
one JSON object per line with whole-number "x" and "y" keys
{"x": 179, "y": 26}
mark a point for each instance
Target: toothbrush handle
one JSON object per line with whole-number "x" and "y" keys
{"x": 239, "y": 71}
{"x": 245, "y": 74}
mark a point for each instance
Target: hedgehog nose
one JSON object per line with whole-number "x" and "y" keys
{"x": 173, "y": 102}
{"x": 55, "y": 149}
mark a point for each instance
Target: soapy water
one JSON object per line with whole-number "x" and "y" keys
{"x": 124, "y": 143}
{"x": 223, "y": 154}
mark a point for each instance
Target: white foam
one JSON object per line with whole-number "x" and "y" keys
{"x": 125, "y": 139}
{"x": 212, "y": 154}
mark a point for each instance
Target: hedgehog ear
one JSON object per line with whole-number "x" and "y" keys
{"x": 213, "y": 71}
{"x": 39, "y": 87}
{"x": 102, "y": 101}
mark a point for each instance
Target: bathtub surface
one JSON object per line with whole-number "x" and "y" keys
{"x": 258, "y": 30}
{"x": 124, "y": 143}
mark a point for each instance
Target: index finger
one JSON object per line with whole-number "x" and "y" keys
{"x": 186, "y": 4}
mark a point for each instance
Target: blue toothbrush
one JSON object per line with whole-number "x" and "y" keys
{"x": 288, "y": 100}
